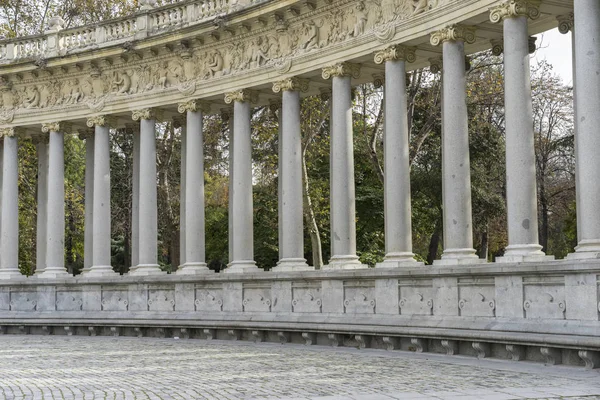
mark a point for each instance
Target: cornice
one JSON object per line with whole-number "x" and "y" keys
{"x": 343, "y": 69}
{"x": 396, "y": 53}
{"x": 454, "y": 33}
{"x": 514, "y": 9}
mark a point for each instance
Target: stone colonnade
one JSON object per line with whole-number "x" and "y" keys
{"x": 523, "y": 243}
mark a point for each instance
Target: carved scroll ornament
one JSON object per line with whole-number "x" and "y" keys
{"x": 514, "y": 9}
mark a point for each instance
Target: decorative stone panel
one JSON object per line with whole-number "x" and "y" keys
{"x": 359, "y": 297}
{"x": 256, "y": 297}
{"x": 115, "y": 299}
{"x": 544, "y": 297}
{"x": 161, "y": 298}
{"x": 208, "y": 298}
{"x": 476, "y": 297}
{"x": 306, "y": 297}
{"x": 68, "y": 299}
{"x": 415, "y": 297}
{"x": 23, "y": 300}
{"x": 5, "y": 298}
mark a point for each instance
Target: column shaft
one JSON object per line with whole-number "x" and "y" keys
{"x": 9, "y": 253}
{"x": 135, "y": 201}
{"x": 88, "y": 246}
{"x": 230, "y": 202}
{"x": 242, "y": 204}
{"x": 55, "y": 226}
{"x": 148, "y": 213}
{"x": 291, "y": 226}
{"x": 42, "y": 203}
{"x": 456, "y": 173}
{"x": 398, "y": 226}
{"x": 587, "y": 105}
{"x": 342, "y": 196}
{"x": 182, "y": 199}
{"x": 521, "y": 192}
{"x": 194, "y": 239}
{"x": 101, "y": 261}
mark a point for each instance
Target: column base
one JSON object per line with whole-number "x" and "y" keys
{"x": 459, "y": 257}
{"x": 344, "y": 262}
{"x": 292, "y": 264}
{"x": 586, "y": 250}
{"x": 241, "y": 266}
{"x": 99, "y": 270}
{"x": 52, "y": 273}
{"x": 193, "y": 269}
{"x": 147, "y": 269}
{"x": 399, "y": 260}
{"x": 524, "y": 253}
{"x": 11, "y": 274}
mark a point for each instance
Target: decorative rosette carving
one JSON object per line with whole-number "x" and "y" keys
{"x": 566, "y": 23}
{"x": 514, "y": 9}
{"x": 7, "y": 132}
{"x": 291, "y": 84}
{"x": 193, "y": 106}
{"x": 453, "y": 33}
{"x": 98, "y": 120}
{"x": 51, "y": 127}
{"x": 395, "y": 53}
{"x": 146, "y": 113}
{"x": 243, "y": 96}
{"x": 341, "y": 69}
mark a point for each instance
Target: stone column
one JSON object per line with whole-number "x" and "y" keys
{"x": 135, "y": 196}
{"x": 227, "y": 118}
{"x": 521, "y": 192}
{"x": 55, "y": 223}
{"x": 587, "y": 144}
{"x": 88, "y": 229}
{"x": 398, "y": 225}
{"x": 9, "y": 252}
{"x": 41, "y": 144}
{"x": 193, "y": 183}
{"x": 275, "y": 107}
{"x": 101, "y": 265}
{"x": 1, "y": 168}
{"x": 180, "y": 122}
{"x": 148, "y": 213}
{"x": 241, "y": 216}
{"x": 291, "y": 223}
{"x": 456, "y": 172}
{"x": 342, "y": 196}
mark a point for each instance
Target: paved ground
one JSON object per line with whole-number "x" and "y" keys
{"x": 54, "y": 367}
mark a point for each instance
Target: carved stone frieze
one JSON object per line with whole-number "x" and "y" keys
{"x": 454, "y": 33}
{"x": 291, "y": 84}
{"x": 515, "y": 8}
{"x": 244, "y": 95}
{"x": 341, "y": 69}
{"x": 193, "y": 106}
{"x": 395, "y": 53}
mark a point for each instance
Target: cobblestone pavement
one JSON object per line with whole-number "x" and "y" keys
{"x": 55, "y": 367}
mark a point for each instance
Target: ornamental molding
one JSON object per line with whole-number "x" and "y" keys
{"x": 344, "y": 69}
{"x": 294, "y": 84}
{"x": 515, "y": 9}
{"x": 396, "y": 53}
{"x": 193, "y": 106}
{"x": 242, "y": 96}
{"x": 145, "y": 113}
{"x": 98, "y": 120}
{"x": 454, "y": 33}
{"x": 55, "y": 127}
{"x": 7, "y": 132}
{"x": 566, "y": 23}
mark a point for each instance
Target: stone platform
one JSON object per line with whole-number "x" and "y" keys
{"x": 35, "y": 367}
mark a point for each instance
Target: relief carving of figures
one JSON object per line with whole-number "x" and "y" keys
{"x": 312, "y": 32}
{"x": 31, "y": 99}
{"x": 121, "y": 83}
{"x": 361, "y": 19}
{"x": 215, "y": 64}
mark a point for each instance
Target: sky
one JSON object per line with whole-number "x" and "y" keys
{"x": 555, "y": 47}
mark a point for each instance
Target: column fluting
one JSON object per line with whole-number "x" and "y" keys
{"x": 291, "y": 221}
{"x": 9, "y": 252}
{"x": 456, "y": 172}
{"x": 241, "y": 216}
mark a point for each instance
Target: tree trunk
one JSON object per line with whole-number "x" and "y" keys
{"x": 434, "y": 243}
{"x": 483, "y": 250}
{"x": 70, "y": 256}
{"x": 544, "y": 214}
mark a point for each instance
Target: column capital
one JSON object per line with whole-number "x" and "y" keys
{"x": 39, "y": 139}
{"x": 55, "y": 127}
{"x": 275, "y": 104}
{"x": 514, "y": 9}
{"x": 436, "y": 65}
{"x": 85, "y": 134}
{"x": 497, "y": 47}
{"x": 396, "y": 53}
{"x": 293, "y": 84}
{"x": 144, "y": 113}
{"x": 242, "y": 96}
{"x": 378, "y": 80}
{"x": 566, "y": 23}
{"x": 7, "y": 132}
{"x": 193, "y": 106}
{"x": 454, "y": 33}
{"x": 341, "y": 69}
{"x": 98, "y": 120}
{"x": 225, "y": 113}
